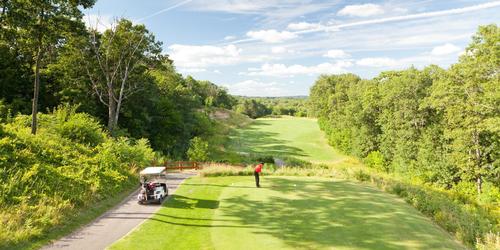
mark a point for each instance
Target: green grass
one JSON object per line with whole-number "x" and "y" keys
{"x": 287, "y": 213}
{"x": 289, "y": 136}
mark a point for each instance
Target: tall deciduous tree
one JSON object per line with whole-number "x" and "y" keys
{"x": 41, "y": 25}
{"x": 469, "y": 96}
{"x": 113, "y": 59}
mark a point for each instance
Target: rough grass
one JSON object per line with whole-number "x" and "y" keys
{"x": 287, "y": 213}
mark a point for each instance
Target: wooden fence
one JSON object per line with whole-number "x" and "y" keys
{"x": 181, "y": 165}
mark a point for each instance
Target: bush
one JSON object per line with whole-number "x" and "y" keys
{"x": 67, "y": 167}
{"x": 295, "y": 162}
{"x": 262, "y": 158}
{"x": 198, "y": 150}
{"x": 375, "y": 160}
{"x": 82, "y": 128}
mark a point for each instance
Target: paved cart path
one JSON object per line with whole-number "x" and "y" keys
{"x": 115, "y": 223}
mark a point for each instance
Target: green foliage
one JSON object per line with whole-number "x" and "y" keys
{"x": 46, "y": 179}
{"x": 78, "y": 127}
{"x": 376, "y": 160}
{"x": 252, "y": 108}
{"x": 433, "y": 125}
{"x": 261, "y": 158}
{"x": 198, "y": 149}
{"x": 256, "y": 107}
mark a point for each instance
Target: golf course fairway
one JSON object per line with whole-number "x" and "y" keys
{"x": 287, "y": 136}
{"x": 286, "y": 213}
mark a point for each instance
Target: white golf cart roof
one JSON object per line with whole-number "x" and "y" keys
{"x": 152, "y": 170}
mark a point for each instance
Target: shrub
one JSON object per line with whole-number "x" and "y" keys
{"x": 261, "y": 158}
{"x": 375, "y": 160}
{"x": 198, "y": 149}
{"x": 67, "y": 167}
{"x": 82, "y": 128}
{"x": 295, "y": 162}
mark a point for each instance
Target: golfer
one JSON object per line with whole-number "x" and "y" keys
{"x": 256, "y": 172}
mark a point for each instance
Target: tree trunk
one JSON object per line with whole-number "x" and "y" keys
{"x": 120, "y": 97}
{"x": 34, "y": 108}
{"x": 111, "y": 111}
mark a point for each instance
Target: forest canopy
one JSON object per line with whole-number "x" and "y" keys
{"x": 435, "y": 125}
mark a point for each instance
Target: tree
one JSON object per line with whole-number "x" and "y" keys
{"x": 469, "y": 97}
{"x": 198, "y": 150}
{"x": 114, "y": 62}
{"x": 41, "y": 25}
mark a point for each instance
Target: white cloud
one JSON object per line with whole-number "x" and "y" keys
{"x": 207, "y": 56}
{"x": 303, "y": 26}
{"x": 256, "y": 88}
{"x": 445, "y": 49}
{"x": 361, "y": 10}
{"x": 227, "y": 38}
{"x": 281, "y": 50}
{"x": 191, "y": 56}
{"x": 268, "y": 11}
{"x": 377, "y": 62}
{"x": 401, "y": 18}
{"x": 422, "y": 15}
{"x": 271, "y": 36}
{"x": 336, "y": 53}
{"x": 282, "y": 70}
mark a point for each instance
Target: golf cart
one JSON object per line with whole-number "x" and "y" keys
{"x": 153, "y": 185}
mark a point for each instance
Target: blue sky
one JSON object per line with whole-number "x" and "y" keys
{"x": 279, "y": 48}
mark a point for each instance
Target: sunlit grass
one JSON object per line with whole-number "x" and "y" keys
{"x": 286, "y": 213}
{"x": 288, "y": 136}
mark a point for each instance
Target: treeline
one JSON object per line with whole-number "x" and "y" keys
{"x": 256, "y": 107}
{"x": 432, "y": 125}
{"x": 120, "y": 76}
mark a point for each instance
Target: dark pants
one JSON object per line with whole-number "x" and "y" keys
{"x": 256, "y": 178}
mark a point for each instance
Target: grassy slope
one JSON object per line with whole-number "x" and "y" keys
{"x": 297, "y": 137}
{"x": 287, "y": 213}
{"x": 83, "y": 217}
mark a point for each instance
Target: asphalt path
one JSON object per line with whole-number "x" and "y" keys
{"x": 115, "y": 223}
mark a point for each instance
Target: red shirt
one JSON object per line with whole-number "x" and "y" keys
{"x": 258, "y": 169}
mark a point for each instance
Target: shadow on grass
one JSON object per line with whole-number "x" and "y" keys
{"x": 222, "y": 186}
{"x": 334, "y": 214}
{"x": 260, "y": 142}
{"x": 179, "y": 201}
